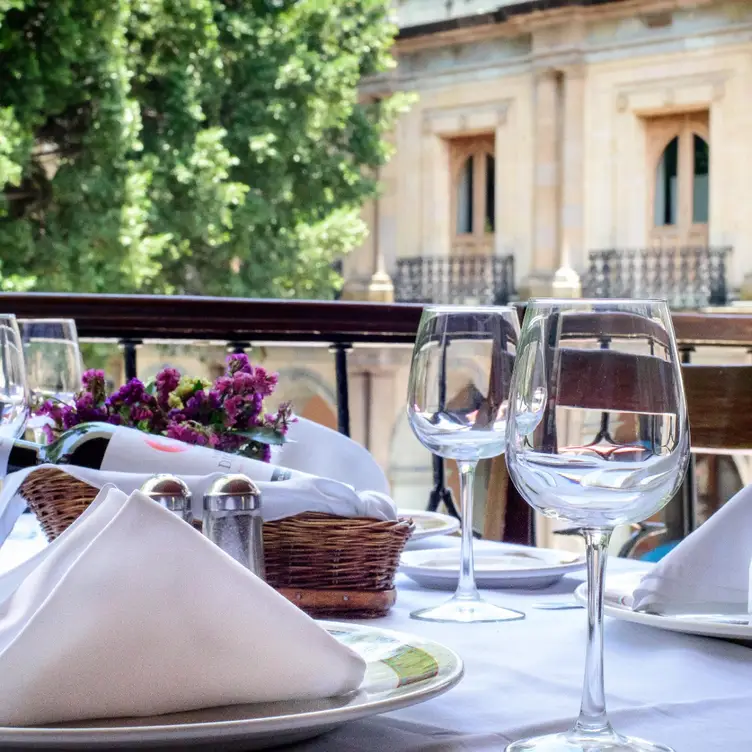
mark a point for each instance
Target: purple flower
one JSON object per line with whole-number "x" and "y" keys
{"x": 223, "y": 386}
{"x": 238, "y": 362}
{"x": 230, "y": 442}
{"x": 167, "y": 381}
{"x": 191, "y": 432}
{"x": 201, "y": 407}
{"x": 52, "y": 409}
{"x": 87, "y": 409}
{"x": 263, "y": 382}
{"x": 129, "y": 394}
{"x": 233, "y": 408}
{"x": 70, "y": 418}
{"x": 94, "y": 383}
{"x": 139, "y": 413}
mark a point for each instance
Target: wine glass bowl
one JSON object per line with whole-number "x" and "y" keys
{"x": 458, "y": 405}
{"x": 598, "y": 436}
{"x": 612, "y": 441}
{"x": 53, "y": 358}
{"x": 14, "y": 395}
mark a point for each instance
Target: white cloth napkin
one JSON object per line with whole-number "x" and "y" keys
{"x": 279, "y": 499}
{"x": 343, "y": 464}
{"x": 317, "y": 450}
{"x": 708, "y": 570}
{"x": 104, "y": 623}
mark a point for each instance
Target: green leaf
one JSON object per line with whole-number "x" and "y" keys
{"x": 263, "y": 435}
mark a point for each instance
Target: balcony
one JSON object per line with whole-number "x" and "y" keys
{"x": 455, "y": 279}
{"x": 688, "y": 277}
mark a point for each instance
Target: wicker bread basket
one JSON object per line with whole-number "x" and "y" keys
{"x": 327, "y": 565}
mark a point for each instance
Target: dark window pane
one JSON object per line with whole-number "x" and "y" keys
{"x": 667, "y": 186}
{"x": 701, "y": 181}
{"x": 490, "y": 194}
{"x": 465, "y": 198}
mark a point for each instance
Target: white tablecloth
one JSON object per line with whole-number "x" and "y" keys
{"x": 524, "y": 678}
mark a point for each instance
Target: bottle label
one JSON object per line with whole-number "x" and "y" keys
{"x": 130, "y": 450}
{"x": 6, "y": 444}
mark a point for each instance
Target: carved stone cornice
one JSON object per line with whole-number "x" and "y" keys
{"x": 450, "y": 121}
{"x": 647, "y": 94}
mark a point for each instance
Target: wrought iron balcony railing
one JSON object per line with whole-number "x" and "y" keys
{"x": 688, "y": 277}
{"x": 480, "y": 280}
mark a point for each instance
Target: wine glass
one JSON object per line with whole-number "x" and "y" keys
{"x": 14, "y": 395}
{"x": 598, "y": 436}
{"x": 53, "y": 359}
{"x": 457, "y": 407}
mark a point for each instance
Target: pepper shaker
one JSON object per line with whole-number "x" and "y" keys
{"x": 171, "y": 493}
{"x": 232, "y": 520}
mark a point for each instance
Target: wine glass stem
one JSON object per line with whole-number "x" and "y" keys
{"x": 466, "y": 588}
{"x": 593, "y": 718}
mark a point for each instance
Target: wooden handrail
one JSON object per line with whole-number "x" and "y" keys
{"x": 238, "y": 319}
{"x": 230, "y": 319}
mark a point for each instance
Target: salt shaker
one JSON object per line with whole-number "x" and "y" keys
{"x": 232, "y": 520}
{"x": 171, "y": 493}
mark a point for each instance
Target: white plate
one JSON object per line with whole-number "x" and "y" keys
{"x": 618, "y": 604}
{"x": 401, "y": 670}
{"x": 430, "y": 523}
{"x": 503, "y": 566}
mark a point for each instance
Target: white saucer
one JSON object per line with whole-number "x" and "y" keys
{"x": 430, "y": 523}
{"x": 503, "y": 566}
{"x": 618, "y": 604}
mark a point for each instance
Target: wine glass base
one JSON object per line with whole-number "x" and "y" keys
{"x": 573, "y": 741}
{"x": 466, "y": 611}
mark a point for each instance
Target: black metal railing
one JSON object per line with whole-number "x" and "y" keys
{"x": 688, "y": 277}
{"x": 482, "y": 280}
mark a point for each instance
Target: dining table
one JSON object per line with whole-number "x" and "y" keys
{"x": 524, "y": 677}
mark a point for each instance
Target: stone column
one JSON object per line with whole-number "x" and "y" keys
{"x": 546, "y": 184}
{"x": 435, "y": 195}
{"x": 384, "y": 231}
{"x": 573, "y": 169}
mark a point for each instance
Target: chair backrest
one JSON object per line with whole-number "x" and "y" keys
{"x": 719, "y": 401}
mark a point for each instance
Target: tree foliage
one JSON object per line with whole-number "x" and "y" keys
{"x": 198, "y": 146}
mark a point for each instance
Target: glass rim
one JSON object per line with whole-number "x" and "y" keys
{"x": 598, "y": 301}
{"x": 468, "y": 308}
{"x": 46, "y": 320}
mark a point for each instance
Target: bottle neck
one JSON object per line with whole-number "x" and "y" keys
{"x": 24, "y": 454}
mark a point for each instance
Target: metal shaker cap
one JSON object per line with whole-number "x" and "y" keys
{"x": 232, "y": 493}
{"x": 169, "y": 491}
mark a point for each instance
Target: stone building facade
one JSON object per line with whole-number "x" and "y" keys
{"x": 547, "y": 134}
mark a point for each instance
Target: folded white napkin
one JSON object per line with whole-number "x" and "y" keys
{"x": 104, "y": 623}
{"x": 709, "y": 570}
{"x": 317, "y": 450}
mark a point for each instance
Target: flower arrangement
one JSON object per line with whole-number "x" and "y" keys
{"x": 227, "y": 415}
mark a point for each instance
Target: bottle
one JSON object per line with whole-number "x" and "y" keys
{"x": 102, "y": 446}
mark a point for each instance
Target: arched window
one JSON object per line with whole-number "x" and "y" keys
{"x": 666, "y": 186}
{"x": 680, "y": 203}
{"x": 701, "y": 181}
{"x": 474, "y": 192}
{"x": 465, "y": 198}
